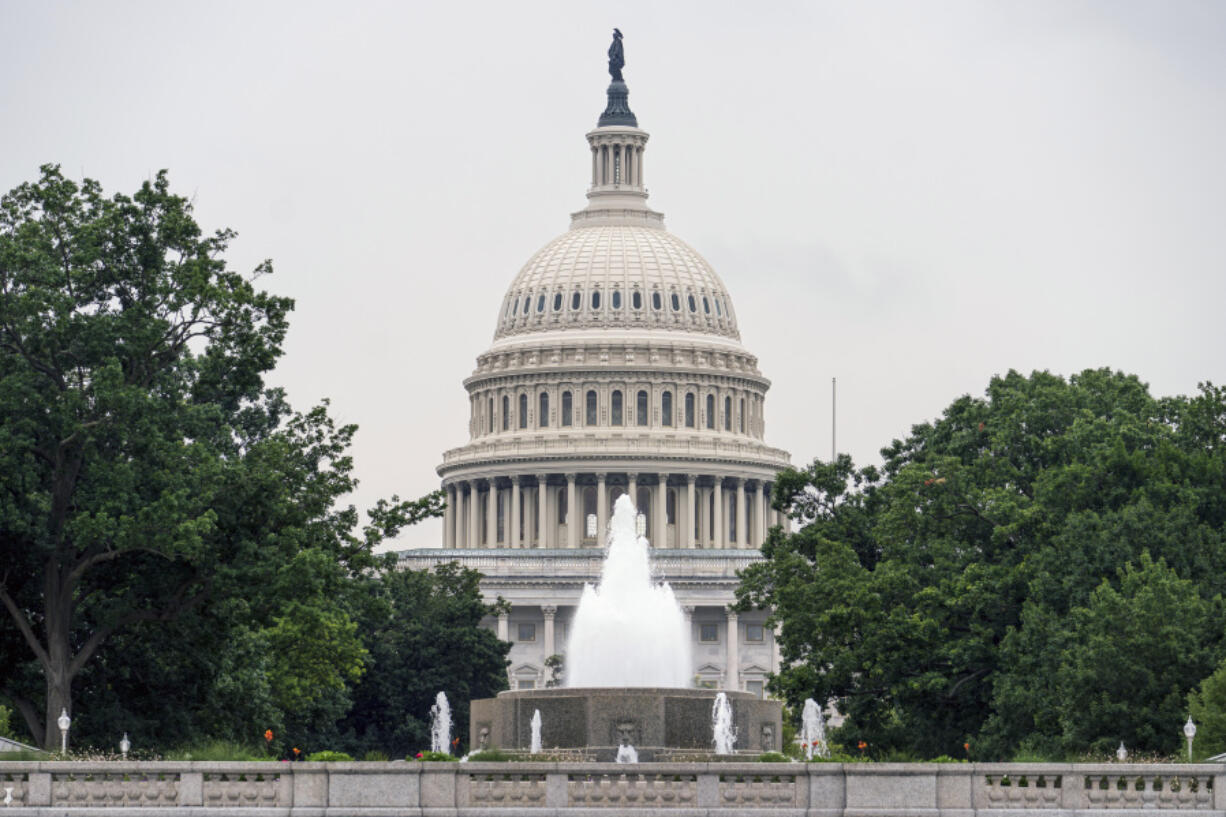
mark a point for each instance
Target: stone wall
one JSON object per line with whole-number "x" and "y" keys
{"x": 29, "y": 789}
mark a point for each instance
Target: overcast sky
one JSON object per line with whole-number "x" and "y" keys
{"x": 910, "y": 197}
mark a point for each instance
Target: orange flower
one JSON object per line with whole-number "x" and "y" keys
{"x": 861, "y": 746}
{"x": 297, "y": 751}
{"x": 966, "y": 746}
{"x": 268, "y": 736}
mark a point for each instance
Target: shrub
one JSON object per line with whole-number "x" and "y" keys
{"x": 429, "y": 757}
{"x": 216, "y": 750}
{"x": 772, "y": 757}
{"x": 374, "y": 755}
{"x": 328, "y": 757}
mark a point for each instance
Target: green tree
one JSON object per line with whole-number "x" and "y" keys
{"x": 424, "y": 635}
{"x": 1207, "y": 707}
{"x": 934, "y": 598}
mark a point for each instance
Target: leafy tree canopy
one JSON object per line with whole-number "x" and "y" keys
{"x": 1009, "y": 561}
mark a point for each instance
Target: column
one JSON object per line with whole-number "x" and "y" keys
{"x": 471, "y": 536}
{"x": 660, "y": 513}
{"x": 513, "y": 528}
{"x": 504, "y": 626}
{"x": 602, "y": 509}
{"x": 689, "y": 513}
{"x": 449, "y": 519}
{"x": 542, "y": 497}
{"x": 742, "y": 516}
{"x": 632, "y": 488}
{"x": 733, "y": 674}
{"x": 529, "y": 514}
{"x": 549, "y": 611}
{"x": 595, "y": 152}
{"x": 572, "y": 512}
{"x": 759, "y": 515}
{"x": 491, "y": 515}
{"x": 776, "y": 657}
{"x": 717, "y": 521}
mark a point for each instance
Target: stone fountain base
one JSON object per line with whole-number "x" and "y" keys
{"x": 659, "y": 723}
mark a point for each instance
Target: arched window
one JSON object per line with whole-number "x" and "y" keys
{"x": 615, "y": 408}
{"x": 656, "y": 303}
{"x": 527, "y": 303}
{"x": 491, "y": 413}
{"x": 641, "y": 414}
{"x": 540, "y": 303}
{"x": 543, "y": 410}
{"x": 666, "y": 408}
{"x": 617, "y": 299}
{"x": 575, "y": 300}
{"x": 718, "y": 311}
{"x": 567, "y": 412}
{"x": 706, "y": 305}
{"x": 589, "y": 415}
{"x": 742, "y": 415}
{"x": 557, "y": 302}
{"x": 506, "y": 412}
{"x": 523, "y": 411}
{"x": 636, "y": 300}
{"x": 676, "y": 300}
{"x": 689, "y": 410}
{"x": 727, "y": 414}
{"x": 596, "y": 299}
{"x": 711, "y": 411}
{"x": 693, "y": 308}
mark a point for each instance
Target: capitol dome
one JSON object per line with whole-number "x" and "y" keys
{"x": 626, "y": 276}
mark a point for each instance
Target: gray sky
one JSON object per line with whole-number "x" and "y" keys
{"x": 910, "y": 197}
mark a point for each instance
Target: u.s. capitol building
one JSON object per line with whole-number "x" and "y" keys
{"x": 616, "y": 367}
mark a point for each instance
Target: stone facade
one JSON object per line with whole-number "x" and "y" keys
{"x": 616, "y": 368}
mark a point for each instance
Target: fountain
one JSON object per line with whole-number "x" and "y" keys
{"x": 723, "y": 733}
{"x": 813, "y": 730}
{"x": 440, "y": 725}
{"x": 628, "y": 694}
{"x": 536, "y": 732}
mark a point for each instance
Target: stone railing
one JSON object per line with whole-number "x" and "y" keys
{"x": 559, "y": 789}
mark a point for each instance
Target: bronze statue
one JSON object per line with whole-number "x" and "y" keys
{"x": 617, "y": 57}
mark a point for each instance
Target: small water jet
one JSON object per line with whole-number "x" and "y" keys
{"x": 628, "y": 631}
{"x": 536, "y": 732}
{"x": 440, "y": 725}
{"x": 721, "y": 725}
{"x": 813, "y": 730}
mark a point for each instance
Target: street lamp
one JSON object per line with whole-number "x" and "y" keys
{"x": 125, "y": 745}
{"x": 1121, "y": 752}
{"x": 63, "y": 722}
{"x": 1189, "y": 732}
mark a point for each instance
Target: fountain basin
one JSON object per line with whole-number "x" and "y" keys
{"x": 655, "y": 721}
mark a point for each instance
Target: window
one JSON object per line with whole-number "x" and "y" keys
{"x": 527, "y": 303}
{"x": 676, "y": 301}
{"x": 543, "y": 412}
{"x": 563, "y": 494}
{"x": 706, "y": 305}
{"x": 742, "y": 415}
{"x": 557, "y": 302}
{"x": 524, "y": 683}
{"x": 617, "y": 299}
{"x": 491, "y": 413}
{"x": 655, "y": 300}
{"x": 615, "y": 408}
{"x": 640, "y": 409}
{"x": 596, "y": 300}
{"x": 566, "y": 408}
{"x": 717, "y": 309}
{"x": 711, "y": 411}
{"x": 666, "y": 408}
{"x": 753, "y": 632}
{"x": 523, "y": 411}
{"x": 708, "y": 633}
{"x": 527, "y": 632}
{"x": 693, "y": 307}
{"x": 540, "y": 304}
{"x": 589, "y": 417}
{"x": 575, "y": 300}
{"x": 636, "y": 300}
{"x": 727, "y": 414}
{"x": 754, "y": 687}
{"x": 506, "y": 412}
{"x": 689, "y": 410}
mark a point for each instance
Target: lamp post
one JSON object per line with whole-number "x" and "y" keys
{"x": 1189, "y": 732}
{"x": 1121, "y": 753}
{"x": 125, "y": 745}
{"x": 63, "y": 722}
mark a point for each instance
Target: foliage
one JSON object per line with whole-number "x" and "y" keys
{"x": 217, "y": 750}
{"x": 493, "y": 756}
{"x": 422, "y": 629}
{"x": 556, "y": 664}
{"x": 958, "y": 592}
{"x": 6, "y": 723}
{"x": 1207, "y": 706}
{"x": 435, "y": 757}
{"x": 328, "y": 757}
{"x": 375, "y": 756}
{"x": 773, "y": 757}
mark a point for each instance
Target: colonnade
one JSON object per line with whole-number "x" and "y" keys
{"x": 678, "y": 510}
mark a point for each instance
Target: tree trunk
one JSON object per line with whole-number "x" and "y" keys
{"x": 57, "y": 669}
